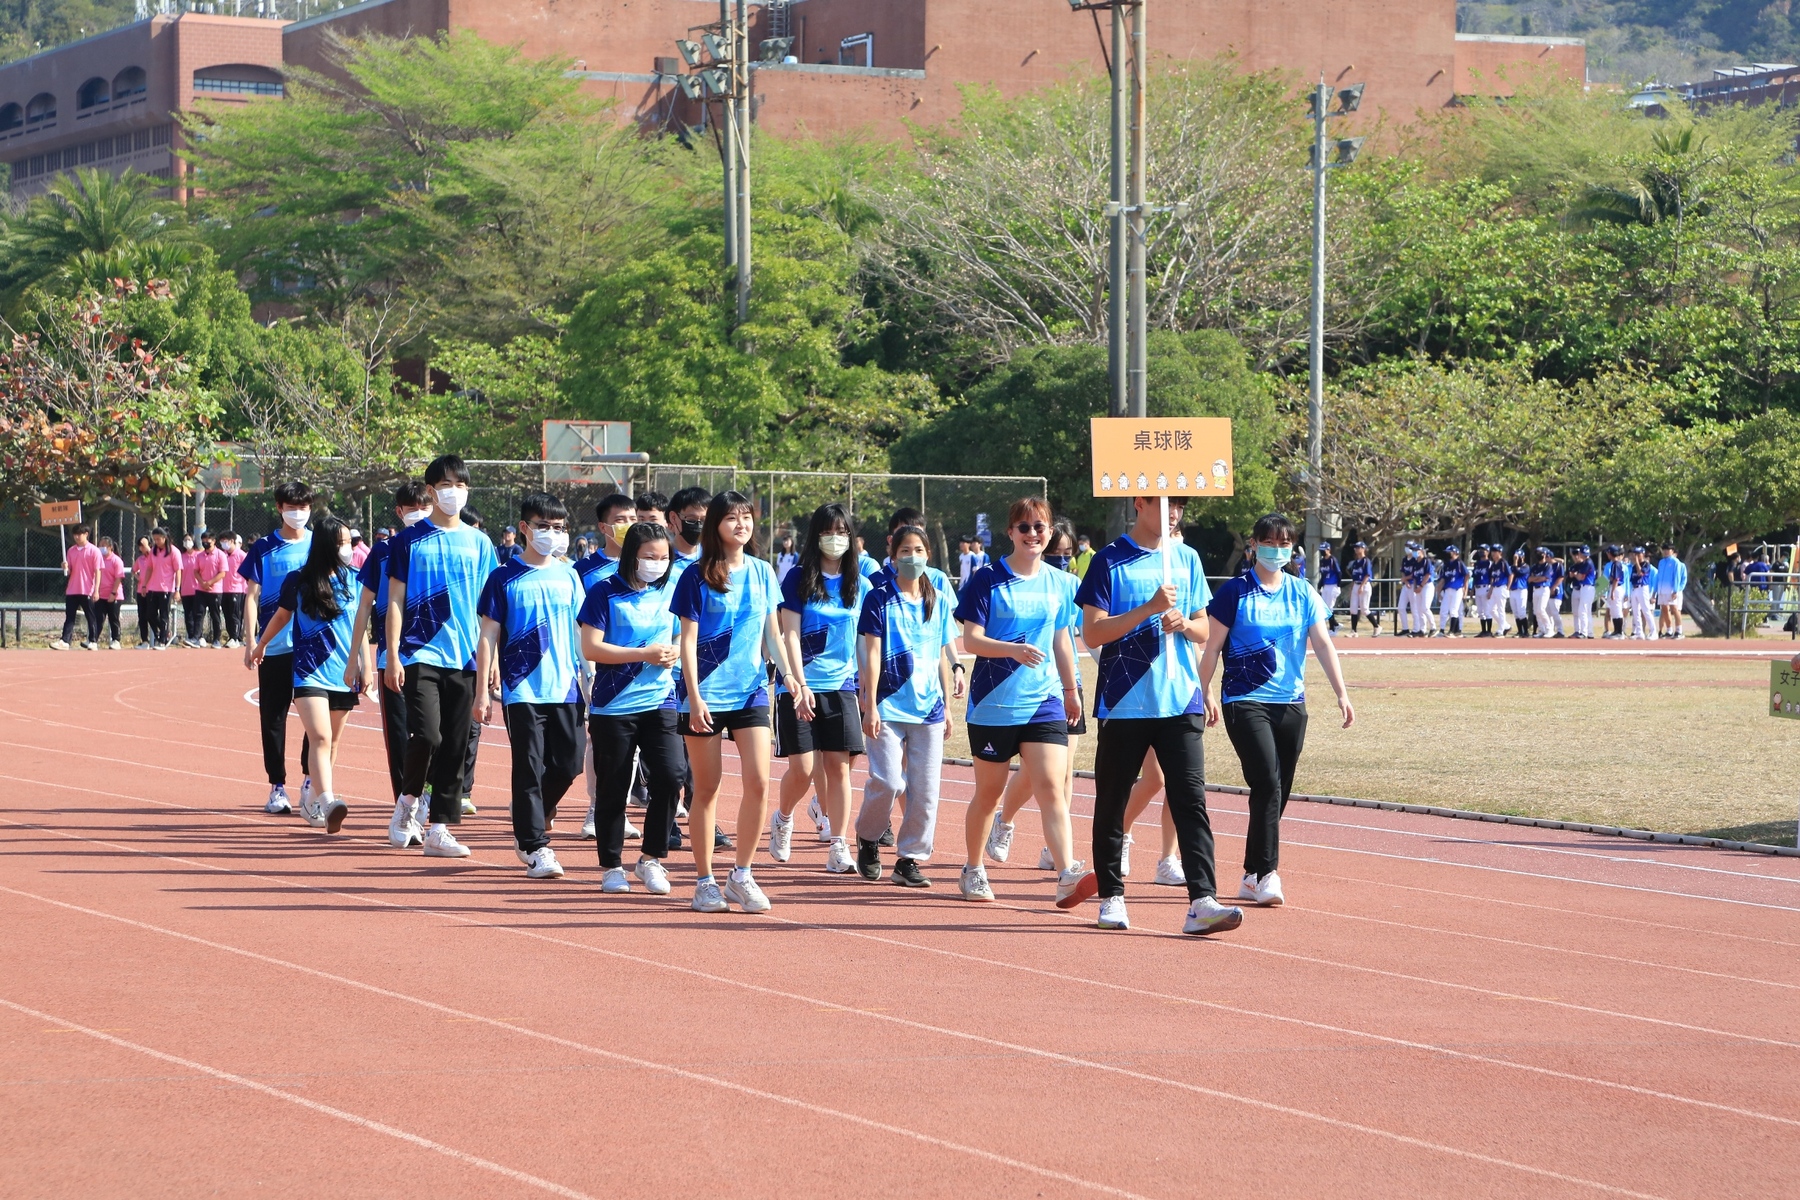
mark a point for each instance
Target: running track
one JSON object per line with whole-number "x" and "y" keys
{"x": 198, "y": 998}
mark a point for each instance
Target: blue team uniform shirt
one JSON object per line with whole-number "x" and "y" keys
{"x": 827, "y": 633}
{"x": 1361, "y": 570}
{"x": 373, "y": 576}
{"x": 912, "y": 645}
{"x": 1265, "y": 653}
{"x": 866, "y": 566}
{"x": 1671, "y": 574}
{"x": 1455, "y": 575}
{"x": 444, "y": 571}
{"x": 935, "y": 577}
{"x": 1012, "y": 608}
{"x": 1137, "y": 678}
{"x": 594, "y": 567}
{"x": 632, "y": 618}
{"x": 730, "y": 634}
{"x": 269, "y": 561}
{"x": 321, "y": 648}
{"x": 1581, "y": 574}
{"x": 1330, "y": 574}
{"x": 540, "y": 649}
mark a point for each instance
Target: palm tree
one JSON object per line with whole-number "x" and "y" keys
{"x": 88, "y": 227}
{"x": 1667, "y": 186}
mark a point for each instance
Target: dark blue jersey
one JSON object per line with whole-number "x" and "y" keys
{"x": 1361, "y": 570}
{"x": 1456, "y": 575}
{"x": 1329, "y": 573}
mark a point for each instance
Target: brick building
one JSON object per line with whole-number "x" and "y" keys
{"x": 863, "y": 65}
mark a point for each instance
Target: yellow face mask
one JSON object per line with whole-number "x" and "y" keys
{"x": 619, "y": 530}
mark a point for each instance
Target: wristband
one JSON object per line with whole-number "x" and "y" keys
{"x": 957, "y": 667}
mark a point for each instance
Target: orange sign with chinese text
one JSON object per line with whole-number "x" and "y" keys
{"x": 63, "y": 512}
{"x": 1163, "y": 456}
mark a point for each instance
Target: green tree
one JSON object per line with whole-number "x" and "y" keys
{"x": 88, "y": 228}
{"x": 27, "y": 26}
{"x": 1031, "y": 417}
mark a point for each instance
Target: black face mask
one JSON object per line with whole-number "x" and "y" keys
{"x": 1059, "y": 561}
{"x": 690, "y": 532}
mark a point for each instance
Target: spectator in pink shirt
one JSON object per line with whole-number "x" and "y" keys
{"x": 210, "y": 567}
{"x": 232, "y": 595}
{"x": 111, "y": 593}
{"x": 190, "y": 592}
{"x": 164, "y": 582}
{"x": 359, "y": 550}
{"x": 140, "y": 585}
{"x": 81, "y": 563}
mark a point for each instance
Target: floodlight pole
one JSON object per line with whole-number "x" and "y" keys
{"x": 729, "y": 115}
{"x": 1135, "y": 268}
{"x": 1315, "y": 390}
{"x": 740, "y": 96}
{"x": 1119, "y": 405}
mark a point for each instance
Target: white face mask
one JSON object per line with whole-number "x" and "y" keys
{"x": 346, "y": 553}
{"x": 451, "y": 500}
{"x": 549, "y": 542}
{"x": 413, "y": 517}
{"x": 296, "y": 518}
{"x": 652, "y": 569}
{"x": 834, "y": 545}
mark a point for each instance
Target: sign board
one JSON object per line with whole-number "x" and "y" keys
{"x": 1784, "y": 691}
{"x": 63, "y": 512}
{"x": 1163, "y": 456}
{"x": 571, "y": 446}
{"x": 233, "y": 474}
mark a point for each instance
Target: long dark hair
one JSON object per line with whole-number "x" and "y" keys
{"x": 926, "y": 589}
{"x": 168, "y": 546}
{"x": 640, "y": 535}
{"x": 713, "y": 570}
{"x": 320, "y": 575}
{"x": 812, "y": 559}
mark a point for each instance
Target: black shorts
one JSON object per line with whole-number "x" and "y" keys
{"x": 1079, "y": 727}
{"x": 836, "y": 725}
{"x": 335, "y": 701}
{"x": 1000, "y": 743}
{"x": 754, "y": 717}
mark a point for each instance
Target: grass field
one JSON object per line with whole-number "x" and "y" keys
{"x": 1652, "y": 743}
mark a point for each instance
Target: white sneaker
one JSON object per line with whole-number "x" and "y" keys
{"x": 650, "y": 873}
{"x": 1125, "y": 859}
{"x": 278, "y": 805}
{"x": 335, "y": 811}
{"x": 59, "y": 644}
{"x": 539, "y": 864}
{"x": 632, "y": 832}
{"x": 1268, "y": 891}
{"x": 1247, "y": 887}
{"x": 587, "y": 833}
{"x": 1169, "y": 872}
{"x": 1207, "y": 915}
{"x": 312, "y": 812}
{"x": 1074, "y": 885}
{"x": 743, "y": 892}
{"x": 440, "y": 843}
{"x": 707, "y": 898}
{"x": 1045, "y": 862}
{"x": 999, "y": 843}
{"x": 305, "y": 795}
{"x": 113, "y": 645}
{"x": 974, "y": 883}
{"x": 468, "y": 807}
{"x": 403, "y": 829}
{"x": 838, "y": 860}
{"x": 615, "y": 882}
{"x": 781, "y": 836}
{"x": 1112, "y": 913}
{"x": 421, "y": 810}
{"x": 820, "y": 821}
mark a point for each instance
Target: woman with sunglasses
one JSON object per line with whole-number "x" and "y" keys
{"x": 1022, "y": 695}
{"x": 726, "y": 602}
{"x": 819, "y": 729}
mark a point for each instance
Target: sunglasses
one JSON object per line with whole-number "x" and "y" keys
{"x": 1031, "y": 527}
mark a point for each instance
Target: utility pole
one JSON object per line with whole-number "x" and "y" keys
{"x": 1349, "y": 100}
{"x": 724, "y": 74}
{"x": 728, "y": 117}
{"x": 1120, "y": 405}
{"x": 740, "y": 97}
{"x": 1140, "y": 153}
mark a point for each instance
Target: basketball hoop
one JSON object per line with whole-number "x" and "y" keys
{"x": 231, "y": 486}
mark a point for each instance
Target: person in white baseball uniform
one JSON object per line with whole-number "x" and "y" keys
{"x": 1331, "y": 578}
{"x": 1455, "y": 579}
{"x": 1643, "y": 584}
{"x": 1615, "y": 575}
{"x": 1362, "y": 586}
{"x": 1581, "y": 591}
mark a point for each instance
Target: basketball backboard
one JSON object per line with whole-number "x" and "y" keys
{"x": 572, "y": 448}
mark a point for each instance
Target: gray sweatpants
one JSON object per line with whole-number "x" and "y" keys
{"x": 904, "y": 759}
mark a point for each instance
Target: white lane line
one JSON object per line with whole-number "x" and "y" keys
{"x": 462, "y": 1156}
{"x": 920, "y": 1026}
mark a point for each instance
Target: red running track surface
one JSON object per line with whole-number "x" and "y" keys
{"x": 201, "y": 999}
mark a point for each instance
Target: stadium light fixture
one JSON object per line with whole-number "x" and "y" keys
{"x": 717, "y": 81}
{"x": 689, "y": 85}
{"x": 690, "y": 51}
{"x": 715, "y": 46}
{"x": 1350, "y": 98}
{"x": 774, "y": 49}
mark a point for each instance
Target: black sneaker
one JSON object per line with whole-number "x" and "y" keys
{"x": 720, "y": 841}
{"x": 868, "y": 859}
{"x": 887, "y": 837}
{"x": 906, "y": 873}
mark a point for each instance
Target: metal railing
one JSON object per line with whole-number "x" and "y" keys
{"x": 1748, "y": 603}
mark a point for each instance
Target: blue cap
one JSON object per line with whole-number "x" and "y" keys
{"x": 1360, "y": 546}
{"x": 1585, "y": 550}
{"x": 1637, "y": 549}
{"x": 1451, "y": 549}
{"x": 1324, "y": 546}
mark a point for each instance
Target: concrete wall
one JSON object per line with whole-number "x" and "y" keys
{"x": 1495, "y": 64}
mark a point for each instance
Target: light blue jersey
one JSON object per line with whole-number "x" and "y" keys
{"x": 269, "y": 561}
{"x": 866, "y": 566}
{"x": 1139, "y": 679}
{"x": 540, "y": 651}
{"x": 374, "y": 577}
{"x": 1265, "y": 656}
{"x": 731, "y": 624}
{"x": 593, "y": 568}
{"x": 935, "y": 577}
{"x": 909, "y": 690}
{"x": 1012, "y": 608}
{"x": 633, "y": 618}
{"x": 827, "y": 633}
{"x": 321, "y": 648}
{"x": 444, "y": 571}
{"x": 1671, "y": 574}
